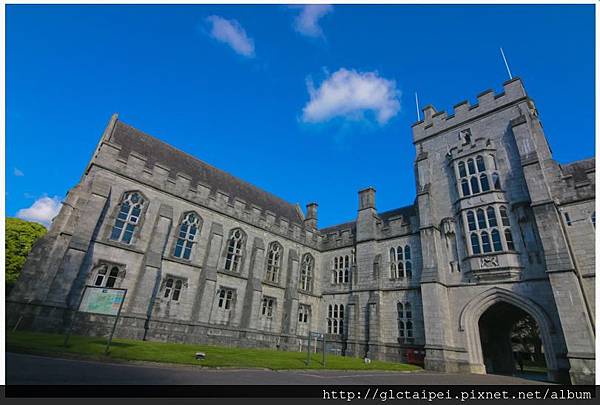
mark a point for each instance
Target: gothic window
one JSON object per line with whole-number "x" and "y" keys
{"x": 268, "y": 304}
{"x": 335, "y": 319}
{"x": 496, "y": 181}
{"x": 274, "y": 262}
{"x": 480, "y": 164}
{"x": 464, "y": 183}
{"x": 303, "y": 313}
{"x": 474, "y": 185}
{"x": 485, "y": 233}
{"x": 471, "y": 166}
{"x": 306, "y": 273}
{"x": 462, "y": 170}
{"x": 496, "y": 241}
{"x": 234, "y": 251}
{"x": 400, "y": 262}
{"x": 485, "y": 185}
{"x": 471, "y": 221}
{"x": 405, "y": 325}
{"x": 172, "y": 289}
{"x": 509, "y": 240}
{"x": 105, "y": 278}
{"x": 341, "y": 270}
{"x": 475, "y": 243}
{"x": 225, "y": 298}
{"x": 128, "y": 217}
{"x": 188, "y": 233}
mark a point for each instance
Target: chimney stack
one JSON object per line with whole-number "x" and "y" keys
{"x": 366, "y": 198}
{"x": 311, "y": 215}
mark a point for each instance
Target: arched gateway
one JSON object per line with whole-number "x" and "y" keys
{"x": 498, "y": 356}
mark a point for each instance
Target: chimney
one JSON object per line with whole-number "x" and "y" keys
{"x": 311, "y": 215}
{"x": 366, "y": 198}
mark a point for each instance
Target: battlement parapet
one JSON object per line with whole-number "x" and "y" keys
{"x": 435, "y": 121}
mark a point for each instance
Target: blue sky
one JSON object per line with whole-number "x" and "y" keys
{"x": 252, "y": 89}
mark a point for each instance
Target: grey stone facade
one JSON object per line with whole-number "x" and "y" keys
{"x": 496, "y": 221}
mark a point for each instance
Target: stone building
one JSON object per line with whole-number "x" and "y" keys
{"x": 498, "y": 230}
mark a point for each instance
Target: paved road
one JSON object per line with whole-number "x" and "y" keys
{"x": 29, "y": 369}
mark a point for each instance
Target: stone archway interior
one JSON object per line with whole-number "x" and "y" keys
{"x": 495, "y": 327}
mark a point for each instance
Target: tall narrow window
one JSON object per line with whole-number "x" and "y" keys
{"x": 335, "y": 319}
{"x": 461, "y": 169}
{"x": 480, "y": 164}
{"x": 393, "y": 264}
{"x": 485, "y": 242}
{"x": 504, "y": 216}
{"x": 400, "y": 262}
{"x": 303, "y": 313}
{"x": 306, "y": 273}
{"x": 267, "y": 307}
{"x": 496, "y": 181}
{"x": 475, "y": 244}
{"x": 465, "y": 187}
{"x": 128, "y": 217}
{"x": 234, "y": 251}
{"x": 273, "y": 262}
{"x": 188, "y": 231}
{"x": 405, "y": 325}
{"x": 485, "y": 184}
{"x": 177, "y": 290}
{"x": 471, "y": 221}
{"x": 474, "y": 185}
{"x": 471, "y": 166}
{"x": 497, "y": 242}
{"x": 491, "y": 216}
{"x": 510, "y": 244}
{"x": 481, "y": 219}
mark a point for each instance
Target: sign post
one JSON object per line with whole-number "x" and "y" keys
{"x": 102, "y": 301}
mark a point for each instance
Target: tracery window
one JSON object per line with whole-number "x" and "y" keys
{"x": 306, "y": 273}
{"x": 268, "y": 305}
{"x": 188, "y": 234}
{"x": 274, "y": 262}
{"x": 225, "y": 298}
{"x": 486, "y": 234}
{"x": 335, "y": 319}
{"x": 128, "y": 217}
{"x": 172, "y": 289}
{"x": 400, "y": 262}
{"x": 303, "y": 313}
{"x": 474, "y": 175}
{"x": 234, "y": 251}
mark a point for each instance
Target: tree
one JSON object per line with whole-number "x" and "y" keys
{"x": 20, "y": 237}
{"x": 527, "y": 332}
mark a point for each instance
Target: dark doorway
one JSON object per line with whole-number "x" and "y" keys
{"x": 511, "y": 342}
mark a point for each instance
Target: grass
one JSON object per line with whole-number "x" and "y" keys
{"x": 216, "y": 356}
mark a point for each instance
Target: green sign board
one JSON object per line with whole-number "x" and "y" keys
{"x": 105, "y": 301}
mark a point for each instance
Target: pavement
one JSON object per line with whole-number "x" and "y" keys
{"x": 41, "y": 370}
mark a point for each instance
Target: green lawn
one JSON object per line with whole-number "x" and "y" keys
{"x": 216, "y": 356}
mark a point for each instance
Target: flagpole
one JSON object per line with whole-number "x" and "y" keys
{"x": 506, "y": 63}
{"x": 417, "y": 102}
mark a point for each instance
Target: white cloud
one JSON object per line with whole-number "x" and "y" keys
{"x": 43, "y": 210}
{"x": 307, "y": 22}
{"x": 231, "y": 33}
{"x": 348, "y": 93}
{"x": 18, "y": 172}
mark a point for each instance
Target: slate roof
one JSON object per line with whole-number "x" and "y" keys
{"x": 578, "y": 169}
{"x": 385, "y": 216}
{"x": 156, "y": 151}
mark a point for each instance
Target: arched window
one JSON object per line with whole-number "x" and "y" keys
{"x": 405, "y": 326}
{"x": 485, "y": 242}
{"x": 400, "y": 307}
{"x": 346, "y": 275}
{"x": 346, "y": 261}
{"x": 188, "y": 231}
{"x": 480, "y": 164}
{"x": 497, "y": 242}
{"x": 474, "y": 185}
{"x": 408, "y": 269}
{"x": 465, "y": 187}
{"x": 491, "y": 216}
{"x": 273, "y": 262}
{"x": 407, "y": 252}
{"x": 340, "y": 276}
{"x": 400, "y": 266}
{"x": 471, "y": 221}
{"x": 485, "y": 184}
{"x": 504, "y": 216}
{"x": 168, "y": 287}
{"x": 234, "y": 251}
{"x": 496, "y": 181}
{"x": 128, "y": 217}
{"x": 408, "y": 310}
{"x": 461, "y": 169}
{"x": 481, "y": 219}
{"x": 510, "y": 244}
{"x": 475, "y": 244}
{"x": 471, "y": 166}
{"x": 306, "y": 273}
{"x": 172, "y": 289}
{"x": 177, "y": 290}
